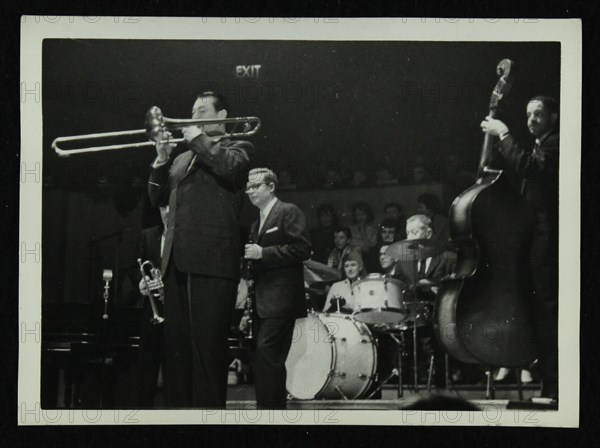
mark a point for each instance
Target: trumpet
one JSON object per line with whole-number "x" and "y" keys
{"x": 155, "y": 288}
{"x": 156, "y": 125}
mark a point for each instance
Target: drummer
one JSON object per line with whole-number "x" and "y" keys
{"x": 342, "y": 293}
{"x": 424, "y": 274}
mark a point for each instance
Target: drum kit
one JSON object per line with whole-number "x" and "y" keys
{"x": 334, "y": 354}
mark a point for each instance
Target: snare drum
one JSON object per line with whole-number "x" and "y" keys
{"x": 332, "y": 356}
{"x": 379, "y": 300}
{"x": 418, "y": 314}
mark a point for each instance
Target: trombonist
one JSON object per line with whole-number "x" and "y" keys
{"x": 204, "y": 189}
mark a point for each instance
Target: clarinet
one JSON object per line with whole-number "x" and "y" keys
{"x": 250, "y": 299}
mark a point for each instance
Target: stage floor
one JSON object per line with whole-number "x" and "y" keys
{"x": 505, "y": 397}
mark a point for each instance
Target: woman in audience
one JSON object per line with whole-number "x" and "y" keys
{"x": 364, "y": 232}
{"x": 321, "y": 236}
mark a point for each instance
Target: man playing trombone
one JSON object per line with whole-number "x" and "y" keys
{"x": 204, "y": 190}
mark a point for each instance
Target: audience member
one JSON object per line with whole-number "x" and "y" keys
{"x": 393, "y": 212}
{"x": 333, "y": 178}
{"x": 286, "y": 180}
{"x": 359, "y": 179}
{"x": 342, "y": 238}
{"x": 364, "y": 232}
{"x": 322, "y": 235}
{"x": 383, "y": 176}
{"x": 388, "y": 234}
{"x": 420, "y": 175}
{"x": 430, "y": 206}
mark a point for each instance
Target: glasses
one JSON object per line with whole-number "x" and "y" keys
{"x": 254, "y": 187}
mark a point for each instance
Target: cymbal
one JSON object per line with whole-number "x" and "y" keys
{"x": 416, "y": 249}
{"x": 429, "y": 282}
{"x": 315, "y": 272}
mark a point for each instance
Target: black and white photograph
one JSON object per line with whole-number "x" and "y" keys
{"x": 292, "y": 220}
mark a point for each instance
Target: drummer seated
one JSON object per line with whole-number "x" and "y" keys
{"x": 342, "y": 293}
{"x": 425, "y": 289}
{"x": 424, "y": 276}
{"x": 426, "y": 273}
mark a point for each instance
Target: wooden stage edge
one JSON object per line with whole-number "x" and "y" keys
{"x": 506, "y": 398}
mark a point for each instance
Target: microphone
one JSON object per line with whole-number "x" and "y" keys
{"x": 107, "y": 276}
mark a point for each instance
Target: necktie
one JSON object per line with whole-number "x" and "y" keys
{"x": 262, "y": 220}
{"x": 422, "y": 268}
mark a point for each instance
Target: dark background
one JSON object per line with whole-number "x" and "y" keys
{"x": 320, "y": 102}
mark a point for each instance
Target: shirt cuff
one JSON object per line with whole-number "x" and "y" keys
{"x": 157, "y": 164}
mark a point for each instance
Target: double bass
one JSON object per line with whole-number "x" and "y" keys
{"x": 482, "y": 314}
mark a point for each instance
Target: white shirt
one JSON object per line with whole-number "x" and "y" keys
{"x": 343, "y": 289}
{"x": 427, "y": 263}
{"x": 265, "y": 212}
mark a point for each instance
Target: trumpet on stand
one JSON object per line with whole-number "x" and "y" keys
{"x": 155, "y": 287}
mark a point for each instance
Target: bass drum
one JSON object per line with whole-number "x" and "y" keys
{"x": 332, "y": 357}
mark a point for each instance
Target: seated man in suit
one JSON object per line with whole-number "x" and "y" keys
{"x": 423, "y": 276}
{"x": 281, "y": 244}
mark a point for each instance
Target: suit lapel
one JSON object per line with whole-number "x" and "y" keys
{"x": 186, "y": 164}
{"x": 432, "y": 265}
{"x": 270, "y": 219}
{"x": 157, "y": 245}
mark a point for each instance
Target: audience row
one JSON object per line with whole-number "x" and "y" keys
{"x": 331, "y": 241}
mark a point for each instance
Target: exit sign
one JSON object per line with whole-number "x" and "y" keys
{"x": 247, "y": 71}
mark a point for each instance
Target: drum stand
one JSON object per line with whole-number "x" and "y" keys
{"x": 400, "y": 351}
{"x": 400, "y": 345}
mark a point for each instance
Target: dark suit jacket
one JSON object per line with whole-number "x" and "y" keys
{"x": 204, "y": 206}
{"x": 279, "y": 275}
{"x": 440, "y": 266}
{"x": 149, "y": 245}
{"x": 539, "y": 172}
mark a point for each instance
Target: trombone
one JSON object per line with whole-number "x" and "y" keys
{"x": 156, "y": 125}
